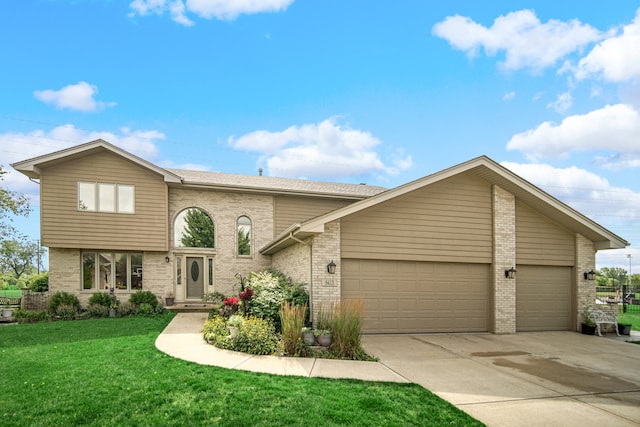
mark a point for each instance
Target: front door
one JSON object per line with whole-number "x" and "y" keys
{"x": 195, "y": 278}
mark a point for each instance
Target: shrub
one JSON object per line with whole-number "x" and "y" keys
{"x": 127, "y": 309}
{"x": 347, "y": 328}
{"x": 101, "y": 298}
{"x": 97, "y": 310}
{"x": 215, "y": 332}
{"x": 30, "y": 316}
{"x": 145, "y": 309}
{"x": 292, "y": 317}
{"x": 63, "y": 298}
{"x": 257, "y": 336}
{"x": 66, "y": 311}
{"x": 271, "y": 288}
{"x": 39, "y": 282}
{"x": 213, "y": 297}
{"x": 144, "y": 297}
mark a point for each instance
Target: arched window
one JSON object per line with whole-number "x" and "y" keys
{"x": 244, "y": 236}
{"x": 194, "y": 228}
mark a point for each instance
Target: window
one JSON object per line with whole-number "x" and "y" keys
{"x": 106, "y": 270}
{"x": 210, "y": 262}
{"x": 104, "y": 197}
{"x": 244, "y": 236}
{"x": 194, "y": 228}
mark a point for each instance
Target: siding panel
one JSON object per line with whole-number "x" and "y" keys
{"x": 540, "y": 241}
{"x": 450, "y": 221}
{"x": 289, "y": 210}
{"x": 63, "y": 226}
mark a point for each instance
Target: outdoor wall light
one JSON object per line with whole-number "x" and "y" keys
{"x": 167, "y": 259}
{"x": 590, "y": 275}
{"x": 510, "y": 273}
{"x": 331, "y": 267}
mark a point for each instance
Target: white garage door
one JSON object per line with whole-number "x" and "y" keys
{"x": 543, "y": 298}
{"x": 405, "y": 296}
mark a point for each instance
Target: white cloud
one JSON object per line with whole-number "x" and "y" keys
{"x": 526, "y": 42}
{"x": 21, "y": 146}
{"x": 74, "y": 97}
{"x": 562, "y": 103}
{"x": 617, "y": 58}
{"x": 319, "y": 150}
{"x": 584, "y": 191}
{"x": 208, "y": 9}
{"x": 613, "y": 128}
{"x": 508, "y": 96}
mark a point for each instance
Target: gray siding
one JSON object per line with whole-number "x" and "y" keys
{"x": 450, "y": 221}
{"x": 540, "y": 241}
{"x": 291, "y": 210}
{"x": 63, "y": 226}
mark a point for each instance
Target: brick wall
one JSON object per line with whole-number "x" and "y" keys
{"x": 504, "y": 257}
{"x": 326, "y": 288}
{"x": 586, "y": 289}
{"x": 295, "y": 261}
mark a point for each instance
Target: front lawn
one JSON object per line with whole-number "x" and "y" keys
{"x": 11, "y": 293}
{"x": 632, "y": 318}
{"x": 107, "y": 372}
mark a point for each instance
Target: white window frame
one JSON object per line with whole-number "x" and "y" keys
{"x": 117, "y": 202}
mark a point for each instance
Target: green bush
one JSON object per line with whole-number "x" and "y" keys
{"x": 63, "y": 298}
{"x": 39, "y": 282}
{"x": 97, "y": 310}
{"x": 66, "y": 311}
{"x": 101, "y": 298}
{"x": 256, "y": 336}
{"x": 127, "y": 309}
{"x": 215, "y": 332}
{"x": 144, "y": 297}
{"x": 145, "y": 309}
{"x": 271, "y": 288}
{"x": 30, "y": 316}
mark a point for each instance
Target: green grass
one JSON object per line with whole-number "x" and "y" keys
{"x": 107, "y": 372}
{"x": 632, "y": 318}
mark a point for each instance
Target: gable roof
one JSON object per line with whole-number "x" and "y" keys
{"x": 31, "y": 167}
{"x": 489, "y": 171}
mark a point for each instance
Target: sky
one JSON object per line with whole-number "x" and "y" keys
{"x": 354, "y": 91}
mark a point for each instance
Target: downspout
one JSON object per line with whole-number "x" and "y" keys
{"x": 291, "y": 236}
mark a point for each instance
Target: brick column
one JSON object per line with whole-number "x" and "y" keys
{"x": 586, "y": 289}
{"x": 326, "y": 288}
{"x": 504, "y": 257}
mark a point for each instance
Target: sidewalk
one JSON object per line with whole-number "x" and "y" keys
{"x": 182, "y": 339}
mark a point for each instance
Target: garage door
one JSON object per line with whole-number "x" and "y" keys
{"x": 404, "y": 296}
{"x": 543, "y": 298}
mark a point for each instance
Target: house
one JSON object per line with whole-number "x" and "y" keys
{"x": 433, "y": 255}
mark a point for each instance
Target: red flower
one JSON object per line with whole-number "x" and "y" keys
{"x": 231, "y": 301}
{"x": 246, "y": 294}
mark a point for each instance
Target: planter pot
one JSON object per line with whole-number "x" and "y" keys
{"x": 169, "y": 301}
{"x": 112, "y": 312}
{"x": 325, "y": 340}
{"x": 308, "y": 338}
{"x": 624, "y": 329}
{"x": 7, "y": 313}
{"x": 233, "y": 330}
{"x": 587, "y": 329}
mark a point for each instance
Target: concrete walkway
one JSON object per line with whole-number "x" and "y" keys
{"x": 525, "y": 379}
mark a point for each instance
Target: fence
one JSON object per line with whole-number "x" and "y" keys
{"x": 628, "y": 299}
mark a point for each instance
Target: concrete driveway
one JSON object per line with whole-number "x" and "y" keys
{"x": 525, "y": 379}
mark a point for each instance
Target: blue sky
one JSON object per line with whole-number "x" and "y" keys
{"x": 356, "y": 91}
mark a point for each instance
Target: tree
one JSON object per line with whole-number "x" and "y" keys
{"x": 17, "y": 256}
{"x": 244, "y": 242}
{"x": 11, "y": 203}
{"x": 198, "y": 231}
{"x": 616, "y": 276}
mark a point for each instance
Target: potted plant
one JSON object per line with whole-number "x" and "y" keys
{"x": 7, "y": 312}
{"x": 307, "y": 336}
{"x": 323, "y": 336}
{"x": 624, "y": 328}
{"x": 588, "y": 325}
{"x": 234, "y": 323}
{"x": 169, "y": 300}
{"x": 113, "y": 308}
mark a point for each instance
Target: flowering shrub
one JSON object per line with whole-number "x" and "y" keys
{"x": 229, "y": 306}
{"x": 256, "y": 336}
{"x": 246, "y": 294}
{"x": 271, "y": 288}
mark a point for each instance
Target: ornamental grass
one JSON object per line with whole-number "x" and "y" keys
{"x": 348, "y": 318}
{"x": 292, "y": 317}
